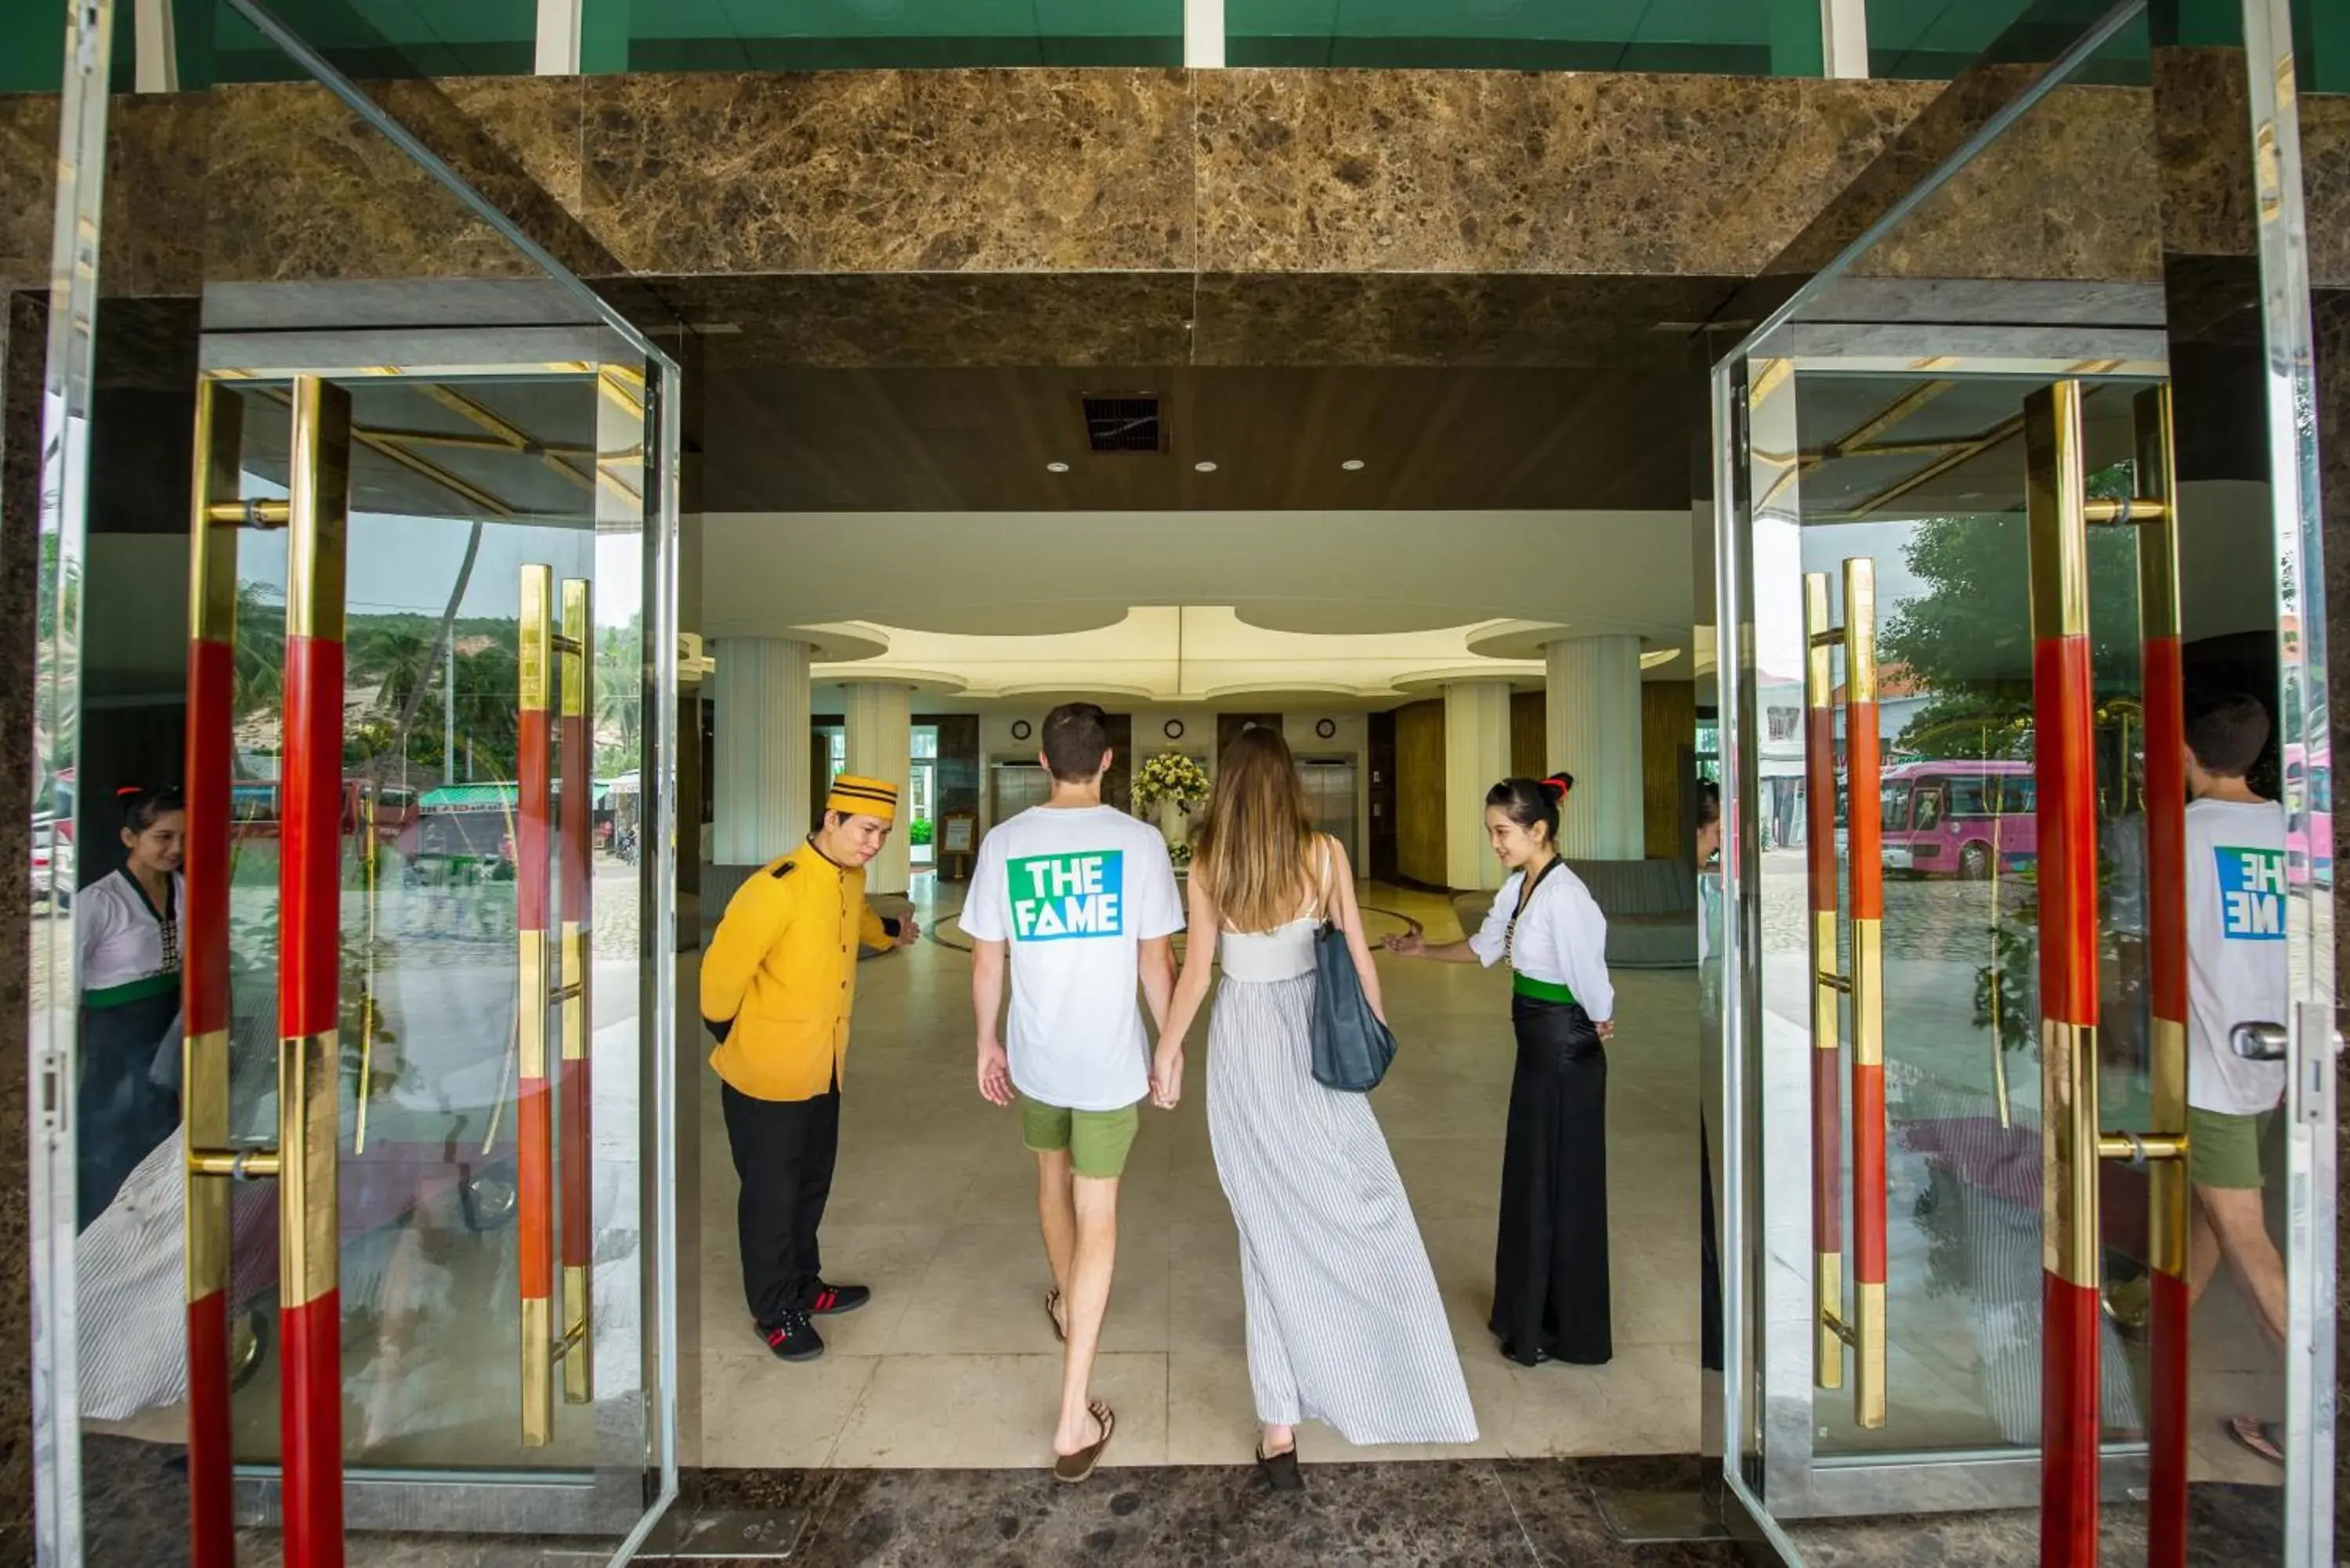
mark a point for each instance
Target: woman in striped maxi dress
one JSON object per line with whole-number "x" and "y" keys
{"x": 1345, "y": 1324}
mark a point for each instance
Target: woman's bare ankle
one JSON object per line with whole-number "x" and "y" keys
{"x": 1276, "y": 1440}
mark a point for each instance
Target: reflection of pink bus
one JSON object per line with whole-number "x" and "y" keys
{"x": 1948, "y": 818}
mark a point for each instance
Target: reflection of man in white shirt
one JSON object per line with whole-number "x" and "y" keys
{"x": 2236, "y": 974}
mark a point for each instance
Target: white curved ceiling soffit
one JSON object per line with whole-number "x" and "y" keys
{"x": 1183, "y": 654}
{"x": 1323, "y": 573}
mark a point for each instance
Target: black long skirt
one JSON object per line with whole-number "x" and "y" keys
{"x": 1550, "y": 1261}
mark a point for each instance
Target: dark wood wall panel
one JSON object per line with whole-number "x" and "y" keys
{"x": 1667, "y": 750}
{"x": 1419, "y": 792}
{"x": 1529, "y": 734}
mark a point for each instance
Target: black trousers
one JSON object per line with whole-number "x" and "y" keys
{"x": 784, "y": 1153}
{"x": 1550, "y": 1261}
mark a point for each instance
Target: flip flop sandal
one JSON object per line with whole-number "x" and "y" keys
{"x": 1053, "y": 1311}
{"x": 2257, "y": 1436}
{"x": 1075, "y": 1468}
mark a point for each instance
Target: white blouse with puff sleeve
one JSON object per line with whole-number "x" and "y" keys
{"x": 1562, "y": 938}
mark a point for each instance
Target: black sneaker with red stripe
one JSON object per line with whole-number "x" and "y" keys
{"x": 824, "y": 1299}
{"x": 792, "y": 1339}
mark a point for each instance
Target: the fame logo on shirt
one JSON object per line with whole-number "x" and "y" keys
{"x": 1055, "y": 897}
{"x": 2252, "y": 893}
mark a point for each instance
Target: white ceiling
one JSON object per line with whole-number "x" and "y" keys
{"x": 1349, "y": 609}
{"x": 1325, "y": 572}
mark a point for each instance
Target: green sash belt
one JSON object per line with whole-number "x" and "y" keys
{"x": 1540, "y": 990}
{"x": 99, "y": 998}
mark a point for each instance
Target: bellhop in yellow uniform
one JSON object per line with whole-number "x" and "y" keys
{"x": 777, "y": 984}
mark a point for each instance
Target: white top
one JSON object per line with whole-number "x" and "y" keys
{"x": 1284, "y": 952}
{"x": 121, "y": 938}
{"x": 1562, "y": 938}
{"x": 1075, "y": 894}
{"x": 2236, "y": 964}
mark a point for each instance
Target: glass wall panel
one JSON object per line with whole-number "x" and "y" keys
{"x": 1903, "y": 415}
{"x": 482, "y": 610}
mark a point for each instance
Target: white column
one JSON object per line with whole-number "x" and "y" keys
{"x": 1204, "y": 34}
{"x": 556, "y": 53}
{"x": 882, "y": 746}
{"x": 1476, "y": 758}
{"x": 1844, "y": 40}
{"x": 760, "y": 690}
{"x": 155, "y": 58}
{"x": 1592, "y": 703}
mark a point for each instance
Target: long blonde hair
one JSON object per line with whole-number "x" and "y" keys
{"x": 1254, "y": 854}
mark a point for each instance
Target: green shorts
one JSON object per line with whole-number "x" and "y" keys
{"x": 2224, "y": 1150}
{"x": 1098, "y": 1141}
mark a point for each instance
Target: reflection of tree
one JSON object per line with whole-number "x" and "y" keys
{"x": 260, "y": 651}
{"x": 620, "y": 699}
{"x": 1967, "y": 636}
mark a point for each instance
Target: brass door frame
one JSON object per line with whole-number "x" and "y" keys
{"x": 608, "y": 1499}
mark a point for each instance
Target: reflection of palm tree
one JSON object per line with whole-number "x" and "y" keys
{"x": 619, "y": 702}
{"x": 260, "y": 651}
{"x": 401, "y": 658}
{"x": 438, "y": 650}
{"x": 487, "y": 682}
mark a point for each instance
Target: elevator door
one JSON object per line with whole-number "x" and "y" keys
{"x": 1329, "y": 785}
{"x": 1015, "y": 786}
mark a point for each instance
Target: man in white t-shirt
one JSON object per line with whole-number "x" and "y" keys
{"x": 1080, "y": 898}
{"x": 2236, "y": 974}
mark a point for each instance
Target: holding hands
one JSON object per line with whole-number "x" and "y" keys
{"x": 1166, "y": 1074}
{"x": 1410, "y": 944}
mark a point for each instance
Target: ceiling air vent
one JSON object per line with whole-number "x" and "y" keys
{"x": 1123, "y": 422}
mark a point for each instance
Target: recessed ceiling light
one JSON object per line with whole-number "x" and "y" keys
{"x": 1205, "y": 467}
{"x": 1057, "y": 468}
{"x": 1352, "y": 466}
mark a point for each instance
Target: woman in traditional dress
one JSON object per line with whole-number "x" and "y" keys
{"x": 127, "y": 929}
{"x": 1345, "y": 1321}
{"x": 1550, "y": 1261}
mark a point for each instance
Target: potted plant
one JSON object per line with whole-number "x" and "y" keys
{"x": 1172, "y": 785}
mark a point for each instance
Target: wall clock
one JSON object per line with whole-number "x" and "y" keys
{"x": 1326, "y": 728}
{"x": 1174, "y": 729}
{"x": 1020, "y": 730}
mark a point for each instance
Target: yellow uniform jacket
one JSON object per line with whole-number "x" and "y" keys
{"x": 781, "y": 973}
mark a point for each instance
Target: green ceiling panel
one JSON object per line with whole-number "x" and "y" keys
{"x": 847, "y": 34}
{"x": 1743, "y": 36}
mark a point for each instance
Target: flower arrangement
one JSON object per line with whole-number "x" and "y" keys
{"x": 1170, "y": 776}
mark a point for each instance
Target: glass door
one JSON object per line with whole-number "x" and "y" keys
{"x": 1990, "y": 528}
{"x": 1960, "y": 1044}
{"x": 428, "y": 1009}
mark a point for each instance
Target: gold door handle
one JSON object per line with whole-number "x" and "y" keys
{"x": 575, "y": 745}
{"x": 533, "y": 1126}
{"x": 1834, "y": 987}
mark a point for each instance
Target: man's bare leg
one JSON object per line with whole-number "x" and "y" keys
{"x": 1085, "y": 1299}
{"x": 1056, "y": 1217}
{"x": 2202, "y": 1249}
{"x": 2240, "y": 1223}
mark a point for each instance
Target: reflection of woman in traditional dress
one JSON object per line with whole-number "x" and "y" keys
{"x": 127, "y": 928}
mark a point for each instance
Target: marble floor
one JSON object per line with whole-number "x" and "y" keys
{"x": 954, "y": 1364}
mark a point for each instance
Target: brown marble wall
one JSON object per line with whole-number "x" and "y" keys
{"x": 2332, "y": 319}
{"x": 24, "y": 335}
{"x": 1070, "y": 172}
